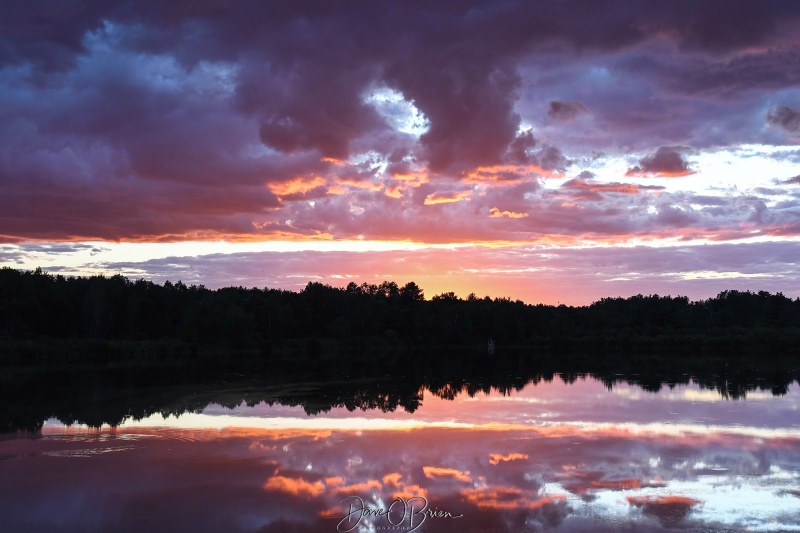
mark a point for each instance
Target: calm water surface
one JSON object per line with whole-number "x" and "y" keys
{"x": 551, "y": 457}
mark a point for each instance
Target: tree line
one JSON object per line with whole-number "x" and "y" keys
{"x": 322, "y": 321}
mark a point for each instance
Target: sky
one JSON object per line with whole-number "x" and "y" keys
{"x": 553, "y": 152}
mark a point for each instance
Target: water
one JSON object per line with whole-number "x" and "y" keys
{"x": 551, "y": 456}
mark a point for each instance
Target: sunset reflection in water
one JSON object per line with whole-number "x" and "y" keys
{"x": 551, "y": 457}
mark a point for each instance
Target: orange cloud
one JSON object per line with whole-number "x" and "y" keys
{"x": 506, "y": 174}
{"x": 579, "y": 185}
{"x": 669, "y": 510}
{"x": 401, "y": 489}
{"x": 618, "y": 484}
{"x": 409, "y": 491}
{"x": 582, "y": 482}
{"x": 507, "y": 499}
{"x": 330, "y": 512}
{"x": 296, "y": 186}
{"x": 393, "y": 191}
{"x": 334, "y": 481}
{"x": 360, "y": 488}
{"x": 496, "y": 213}
{"x": 496, "y": 458}
{"x": 446, "y": 198}
{"x": 295, "y": 487}
{"x": 661, "y": 500}
{"x": 336, "y": 190}
{"x": 435, "y": 471}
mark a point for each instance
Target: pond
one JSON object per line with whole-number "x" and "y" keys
{"x": 573, "y": 454}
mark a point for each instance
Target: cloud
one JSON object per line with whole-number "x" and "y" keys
{"x": 696, "y": 26}
{"x": 446, "y": 197}
{"x": 666, "y": 162}
{"x": 590, "y": 189}
{"x": 449, "y": 473}
{"x": 294, "y": 486}
{"x": 670, "y": 511}
{"x": 144, "y": 121}
{"x": 784, "y": 117}
{"x": 496, "y": 213}
{"x": 565, "y": 110}
{"x": 497, "y": 458}
{"x": 575, "y": 276}
{"x": 518, "y": 150}
{"x": 527, "y": 150}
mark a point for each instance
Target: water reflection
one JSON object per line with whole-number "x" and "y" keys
{"x": 561, "y": 455}
{"x": 113, "y": 395}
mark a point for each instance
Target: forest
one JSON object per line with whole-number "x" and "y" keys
{"x": 50, "y": 319}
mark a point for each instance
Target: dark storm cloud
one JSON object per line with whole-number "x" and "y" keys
{"x": 721, "y": 26}
{"x": 525, "y": 149}
{"x": 47, "y": 34}
{"x": 457, "y": 65}
{"x": 519, "y": 149}
{"x": 785, "y": 117}
{"x": 730, "y": 78}
{"x": 667, "y": 161}
{"x": 565, "y": 110}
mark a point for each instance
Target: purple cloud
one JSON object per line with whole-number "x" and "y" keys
{"x": 785, "y": 117}
{"x": 666, "y": 162}
{"x": 565, "y": 110}
{"x": 145, "y": 121}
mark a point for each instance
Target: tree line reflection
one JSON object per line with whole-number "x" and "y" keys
{"x": 109, "y": 396}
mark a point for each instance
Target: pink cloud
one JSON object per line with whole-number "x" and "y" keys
{"x": 667, "y": 162}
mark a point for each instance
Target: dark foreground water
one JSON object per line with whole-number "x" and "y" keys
{"x": 552, "y": 456}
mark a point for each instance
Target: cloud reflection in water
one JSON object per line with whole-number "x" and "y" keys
{"x": 486, "y": 458}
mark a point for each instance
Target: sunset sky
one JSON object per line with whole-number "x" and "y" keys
{"x": 545, "y": 151}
